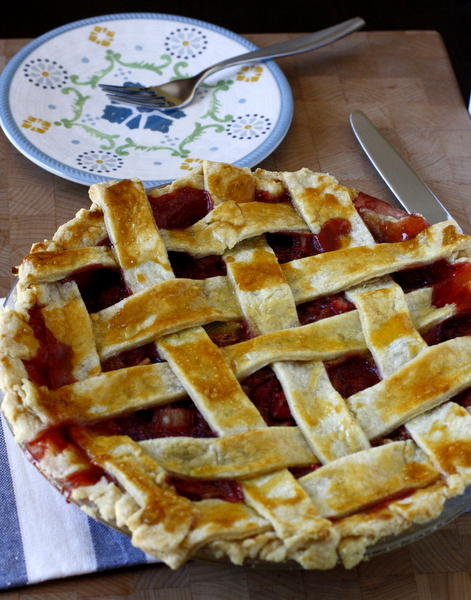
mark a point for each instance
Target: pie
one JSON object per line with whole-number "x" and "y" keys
{"x": 245, "y": 365}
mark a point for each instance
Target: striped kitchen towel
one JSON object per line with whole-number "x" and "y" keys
{"x": 44, "y": 537}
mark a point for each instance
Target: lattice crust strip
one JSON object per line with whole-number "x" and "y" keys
{"x": 363, "y": 482}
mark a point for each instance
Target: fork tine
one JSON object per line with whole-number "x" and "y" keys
{"x": 138, "y": 102}
{"x": 142, "y": 92}
{"x": 146, "y": 102}
{"x": 118, "y": 88}
{"x": 125, "y": 95}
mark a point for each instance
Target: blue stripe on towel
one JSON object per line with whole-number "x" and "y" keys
{"x": 113, "y": 549}
{"x": 12, "y": 560}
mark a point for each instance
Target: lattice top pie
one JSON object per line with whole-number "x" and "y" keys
{"x": 252, "y": 365}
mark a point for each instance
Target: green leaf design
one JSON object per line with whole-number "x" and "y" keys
{"x": 198, "y": 133}
{"x": 159, "y": 69}
{"x": 101, "y": 136}
{"x": 94, "y": 79}
{"x": 215, "y": 104}
{"x": 176, "y": 69}
{"x": 77, "y": 105}
{"x": 124, "y": 150}
{"x": 114, "y": 58}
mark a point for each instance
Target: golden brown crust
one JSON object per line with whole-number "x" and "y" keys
{"x": 446, "y": 371}
{"x": 363, "y": 479}
{"x": 133, "y": 233}
{"x": 331, "y": 272}
{"x": 240, "y": 455}
{"x": 182, "y": 303}
{"x": 362, "y": 486}
{"x": 50, "y": 266}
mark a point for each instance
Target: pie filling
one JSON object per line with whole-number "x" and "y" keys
{"x": 52, "y": 365}
{"x": 334, "y": 383}
{"x": 185, "y": 265}
{"x": 100, "y": 287}
{"x": 178, "y": 419}
{"x": 353, "y": 374}
{"x": 180, "y": 209}
{"x": 289, "y": 245}
{"x": 399, "y": 227}
{"x": 225, "y": 334}
{"x": 264, "y": 196}
{"x": 322, "y": 308}
{"x": 142, "y": 355}
{"x": 221, "y": 489}
{"x": 265, "y": 391}
{"x": 57, "y": 441}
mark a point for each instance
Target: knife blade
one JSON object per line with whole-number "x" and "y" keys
{"x": 404, "y": 183}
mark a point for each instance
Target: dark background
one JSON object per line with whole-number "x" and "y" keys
{"x": 451, "y": 18}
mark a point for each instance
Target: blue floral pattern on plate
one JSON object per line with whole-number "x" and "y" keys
{"x": 54, "y": 112}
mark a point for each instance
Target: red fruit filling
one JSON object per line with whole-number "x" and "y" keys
{"x": 463, "y": 398}
{"x": 298, "y": 472}
{"x": 398, "y": 435}
{"x": 415, "y": 278}
{"x": 99, "y": 287}
{"x": 180, "y": 209}
{"x": 265, "y": 391}
{"x": 451, "y": 285}
{"x": 179, "y": 419}
{"x": 52, "y": 365}
{"x": 387, "y": 223}
{"x": 57, "y": 440}
{"x": 456, "y": 326}
{"x": 185, "y": 265}
{"x": 226, "y": 334}
{"x": 143, "y": 355}
{"x": 264, "y": 196}
{"x": 454, "y": 287}
{"x": 293, "y": 245}
{"x": 322, "y": 308}
{"x": 222, "y": 489}
{"x": 353, "y": 374}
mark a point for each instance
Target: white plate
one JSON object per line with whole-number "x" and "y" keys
{"x": 53, "y": 111}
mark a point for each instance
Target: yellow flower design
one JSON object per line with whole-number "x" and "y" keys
{"x": 35, "y": 124}
{"x": 190, "y": 163}
{"x": 101, "y": 36}
{"x": 249, "y": 74}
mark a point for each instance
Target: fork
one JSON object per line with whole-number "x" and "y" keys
{"x": 180, "y": 92}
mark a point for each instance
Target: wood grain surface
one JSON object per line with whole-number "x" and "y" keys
{"x": 404, "y": 82}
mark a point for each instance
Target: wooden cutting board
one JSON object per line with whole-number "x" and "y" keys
{"x": 404, "y": 82}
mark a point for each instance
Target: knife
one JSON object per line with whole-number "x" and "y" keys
{"x": 404, "y": 183}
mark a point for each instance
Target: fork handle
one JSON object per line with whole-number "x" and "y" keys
{"x": 294, "y": 46}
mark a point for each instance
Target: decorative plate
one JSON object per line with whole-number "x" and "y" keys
{"x": 53, "y": 111}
